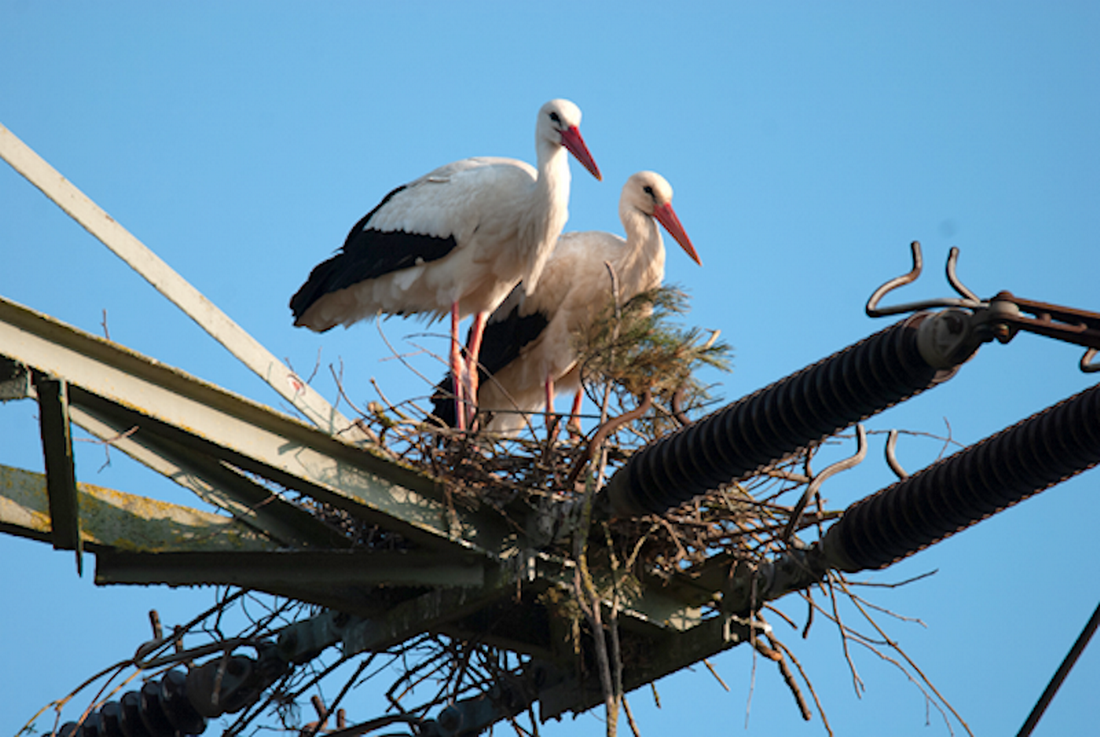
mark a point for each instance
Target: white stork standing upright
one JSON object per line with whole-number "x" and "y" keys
{"x": 456, "y": 240}
{"x": 528, "y": 341}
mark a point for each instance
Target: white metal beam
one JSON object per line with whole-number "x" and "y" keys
{"x": 173, "y": 286}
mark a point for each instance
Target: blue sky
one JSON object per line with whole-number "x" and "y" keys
{"x": 807, "y": 144}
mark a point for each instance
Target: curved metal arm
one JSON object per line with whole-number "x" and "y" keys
{"x": 969, "y": 301}
{"x": 819, "y": 479}
{"x": 892, "y": 458}
{"x": 1088, "y": 365}
{"x": 953, "y": 278}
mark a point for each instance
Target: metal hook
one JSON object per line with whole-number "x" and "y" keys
{"x": 969, "y": 301}
{"x": 813, "y": 486}
{"x": 898, "y": 281}
{"x": 953, "y": 278}
{"x": 891, "y": 457}
{"x": 1088, "y": 365}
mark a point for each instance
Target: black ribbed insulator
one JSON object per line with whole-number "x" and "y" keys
{"x": 90, "y": 728}
{"x": 965, "y": 488}
{"x": 777, "y": 421}
{"x": 152, "y": 712}
{"x": 130, "y": 720}
{"x": 109, "y": 715}
{"x": 223, "y": 686}
{"x": 177, "y": 706}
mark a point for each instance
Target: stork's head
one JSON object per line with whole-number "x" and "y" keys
{"x": 559, "y": 123}
{"x": 650, "y": 193}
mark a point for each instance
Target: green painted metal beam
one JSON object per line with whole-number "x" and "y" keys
{"x": 216, "y": 483}
{"x": 426, "y": 613}
{"x": 127, "y": 387}
{"x": 303, "y": 570}
{"x": 661, "y": 656}
{"x": 112, "y": 519}
{"x": 141, "y": 259}
{"x": 57, "y": 448}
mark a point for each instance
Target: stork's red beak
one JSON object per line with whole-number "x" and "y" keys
{"x": 574, "y": 144}
{"x": 666, "y": 216}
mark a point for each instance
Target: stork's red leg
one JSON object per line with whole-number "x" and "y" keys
{"x": 457, "y": 371}
{"x": 575, "y": 413}
{"x": 551, "y": 421}
{"x": 473, "y": 350}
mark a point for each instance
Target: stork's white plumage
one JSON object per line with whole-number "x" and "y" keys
{"x": 456, "y": 241}
{"x": 528, "y": 342}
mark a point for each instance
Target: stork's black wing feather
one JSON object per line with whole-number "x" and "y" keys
{"x": 369, "y": 254}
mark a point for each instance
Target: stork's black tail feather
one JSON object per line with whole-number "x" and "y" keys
{"x": 443, "y": 401}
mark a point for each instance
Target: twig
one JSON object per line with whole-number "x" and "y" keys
{"x": 894, "y": 585}
{"x": 776, "y": 653}
{"x": 606, "y": 429}
{"x": 805, "y": 679}
{"x": 107, "y": 443}
{"x": 781, "y": 615}
{"x": 896, "y": 648}
{"x": 857, "y": 682}
{"x": 630, "y": 717}
{"x": 714, "y": 673}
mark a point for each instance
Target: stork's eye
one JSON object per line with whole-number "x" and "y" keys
{"x": 648, "y": 190}
{"x": 555, "y": 117}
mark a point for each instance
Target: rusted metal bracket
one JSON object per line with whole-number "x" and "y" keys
{"x": 1067, "y": 324}
{"x": 1001, "y": 317}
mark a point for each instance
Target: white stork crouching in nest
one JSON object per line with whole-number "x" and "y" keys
{"x": 456, "y": 241}
{"x": 528, "y": 342}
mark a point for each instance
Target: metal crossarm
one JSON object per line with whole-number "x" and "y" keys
{"x": 123, "y": 389}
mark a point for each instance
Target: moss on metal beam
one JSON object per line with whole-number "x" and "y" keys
{"x": 113, "y": 519}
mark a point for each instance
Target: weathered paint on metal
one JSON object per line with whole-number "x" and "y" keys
{"x": 135, "y": 390}
{"x": 57, "y": 448}
{"x": 424, "y": 613}
{"x": 112, "y": 519}
{"x": 216, "y": 483}
{"x": 15, "y": 380}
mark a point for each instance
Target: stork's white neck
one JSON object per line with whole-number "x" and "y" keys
{"x": 554, "y": 178}
{"x": 545, "y": 218}
{"x": 641, "y": 262}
